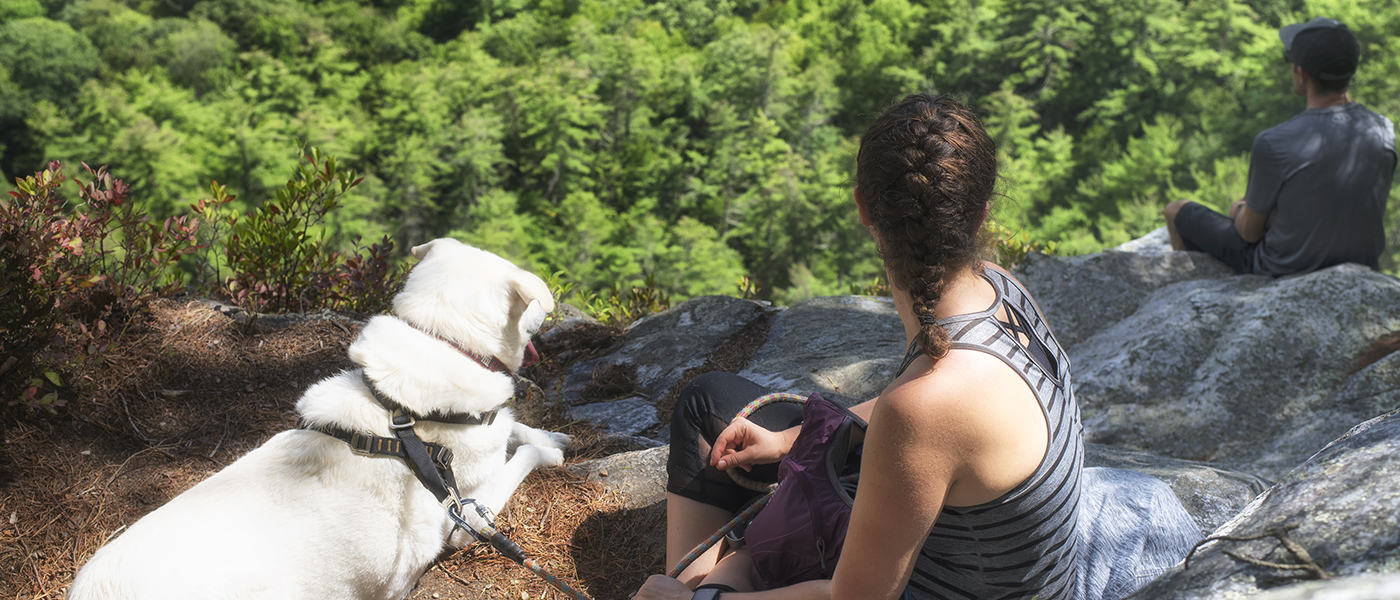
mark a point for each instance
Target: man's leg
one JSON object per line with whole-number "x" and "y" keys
{"x": 1197, "y": 228}
{"x": 1170, "y": 213}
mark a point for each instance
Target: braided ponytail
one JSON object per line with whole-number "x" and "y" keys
{"x": 927, "y": 171}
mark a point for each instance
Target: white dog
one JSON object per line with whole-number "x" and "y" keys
{"x": 304, "y": 516}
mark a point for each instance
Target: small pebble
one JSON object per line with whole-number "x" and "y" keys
{"x": 524, "y": 595}
{"x": 14, "y": 518}
{"x": 603, "y": 473}
{"x": 437, "y": 595}
{"x": 86, "y": 453}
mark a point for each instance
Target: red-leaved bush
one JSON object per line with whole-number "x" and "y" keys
{"x": 70, "y": 268}
{"x": 72, "y": 274}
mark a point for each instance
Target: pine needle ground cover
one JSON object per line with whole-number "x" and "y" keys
{"x": 188, "y": 390}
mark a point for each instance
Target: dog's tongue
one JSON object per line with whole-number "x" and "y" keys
{"x": 532, "y": 356}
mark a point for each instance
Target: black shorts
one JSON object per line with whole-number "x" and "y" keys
{"x": 1204, "y": 230}
{"x": 703, "y": 409}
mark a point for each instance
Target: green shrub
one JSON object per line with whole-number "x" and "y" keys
{"x": 877, "y": 286}
{"x": 614, "y": 306}
{"x": 367, "y": 284}
{"x": 44, "y": 268}
{"x": 1009, "y": 248}
{"x": 280, "y": 260}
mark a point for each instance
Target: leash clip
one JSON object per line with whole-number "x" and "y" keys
{"x": 456, "y": 514}
{"x": 485, "y": 513}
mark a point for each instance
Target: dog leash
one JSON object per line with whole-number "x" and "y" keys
{"x": 438, "y": 477}
{"x": 488, "y": 534}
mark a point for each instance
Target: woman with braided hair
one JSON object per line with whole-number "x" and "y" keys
{"x": 972, "y": 459}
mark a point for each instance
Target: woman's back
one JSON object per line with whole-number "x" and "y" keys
{"x": 1021, "y": 544}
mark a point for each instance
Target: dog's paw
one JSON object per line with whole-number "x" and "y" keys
{"x": 558, "y": 440}
{"x": 549, "y": 457}
{"x": 524, "y": 434}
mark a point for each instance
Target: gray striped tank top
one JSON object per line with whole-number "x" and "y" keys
{"x": 1021, "y": 545}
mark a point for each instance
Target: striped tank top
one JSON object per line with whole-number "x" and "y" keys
{"x": 1021, "y": 545}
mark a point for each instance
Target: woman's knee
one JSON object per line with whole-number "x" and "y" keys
{"x": 717, "y": 383}
{"x": 713, "y": 390}
{"x": 694, "y": 399}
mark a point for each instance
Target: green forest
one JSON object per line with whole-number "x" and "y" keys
{"x": 700, "y": 147}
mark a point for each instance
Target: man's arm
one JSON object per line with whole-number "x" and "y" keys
{"x": 1249, "y": 224}
{"x": 1261, "y": 192}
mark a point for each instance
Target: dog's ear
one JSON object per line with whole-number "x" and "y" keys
{"x": 421, "y": 250}
{"x": 529, "y": 288}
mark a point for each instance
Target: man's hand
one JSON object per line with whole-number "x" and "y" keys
{"x": 1235, "y": 208}
{"x": 1249, "y": 224}
{"x": 743, "y": 444}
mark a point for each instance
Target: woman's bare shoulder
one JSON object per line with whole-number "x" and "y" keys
{"x": 959, "y": 388}
{"x": 977, "y": 417}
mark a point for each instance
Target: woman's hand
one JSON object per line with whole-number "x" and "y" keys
{"x": 743, "y": 444}
{"x": 661, "y": 587}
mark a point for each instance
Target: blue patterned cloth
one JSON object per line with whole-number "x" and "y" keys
{"x": 1132, "y": 528}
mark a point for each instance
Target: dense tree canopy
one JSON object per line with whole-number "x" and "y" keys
{"x": 690, "y": 142}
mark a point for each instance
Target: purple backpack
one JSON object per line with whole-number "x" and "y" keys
{"x": 798, "y": 535}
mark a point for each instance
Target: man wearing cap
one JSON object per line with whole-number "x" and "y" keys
{"x": 1318, "y": 183}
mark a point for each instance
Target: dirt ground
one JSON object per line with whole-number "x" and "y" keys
{"x": 189, "y": 390}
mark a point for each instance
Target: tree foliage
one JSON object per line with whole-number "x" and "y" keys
{"x": 691, "y": 144}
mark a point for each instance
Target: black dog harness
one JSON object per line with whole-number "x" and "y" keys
{"x": 431, "y": 463}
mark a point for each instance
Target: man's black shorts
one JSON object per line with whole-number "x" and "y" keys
{"x": 1204, "y": 230}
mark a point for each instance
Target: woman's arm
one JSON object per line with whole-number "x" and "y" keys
{"x": 922, "y": 434}
{"x": 915, "y": 451}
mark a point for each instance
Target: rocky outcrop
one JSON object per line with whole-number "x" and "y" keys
{"x": 1339, "y": 508}
{"x": 279, "y": 321}
{"x": 663, "y": 346}
{"x": 1083, "y": 295}
{"x": 626, "y": 417}
{"x": 1364, "y": 587}
{"x": 846, "y": 347}
{"x": 1212, "y": 382}
{"x": 1244, "y": 371}
{"x": 654, "y": 358}
{"x": 1158, "y": 240}
{"x": 565, "y": 318}
{"x": 639, "y": 476}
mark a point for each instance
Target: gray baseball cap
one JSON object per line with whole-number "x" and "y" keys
{"x": 1323, "y": 47}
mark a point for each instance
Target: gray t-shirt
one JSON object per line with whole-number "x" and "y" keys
{"x": 1322, "y": 178}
